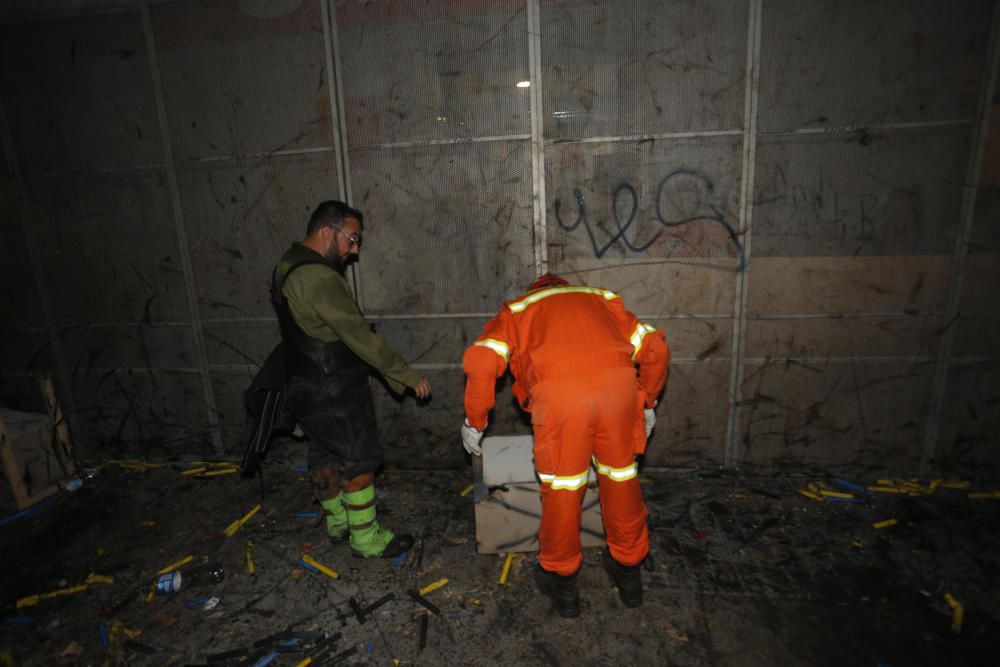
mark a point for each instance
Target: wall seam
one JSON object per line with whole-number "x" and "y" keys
{"x": 537, "y": 136}
{"x": 184, "y": 248}
{"x": 746, "y": 222}
{"x": 977, "y": 143}
{"x": 335, "y": 88}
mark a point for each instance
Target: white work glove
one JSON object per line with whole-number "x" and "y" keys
{"x": 649, "y": 416}
{"x": 470, "y": 438}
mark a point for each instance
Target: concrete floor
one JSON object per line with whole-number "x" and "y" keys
{"x": 743, "y": 571}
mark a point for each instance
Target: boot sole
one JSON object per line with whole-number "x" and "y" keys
{"x": 392, "y": 550}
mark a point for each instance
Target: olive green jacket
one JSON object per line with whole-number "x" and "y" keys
{"x": 322, "y": 304}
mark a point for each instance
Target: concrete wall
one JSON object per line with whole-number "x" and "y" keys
{"x": 787, "y": 188}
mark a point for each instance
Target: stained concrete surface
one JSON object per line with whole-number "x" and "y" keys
{"x": 743, "y": 571}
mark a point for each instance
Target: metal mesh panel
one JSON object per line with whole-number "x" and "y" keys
{"x": 652, "y": 207}
{"x": 100, "y": 348}
{"x": 229, "y": 386}
{"x": 109, "y": 248}
{"x": 847, "y": 195}
{"x": 266, "y": 88}
{"x": 983, "y": 237}
{"x": 430, "y": 341}
{"x": 447, "y": 228}
{"x": 849, "y": 414}
{"x": 427, "y": 435}
{"x": 18, "y": 292}
{"x": 905, "y": 335}
{"x": 978, "y": 326}
{"x": 240, "y": 217}
{"x": 24, "y": 351}
{"x": 163, "y": 411}
{"x": 642, "y": 66}
{"x": 831, "y": 286}
{"x": 240, "y": 343}
{"x": 971, "y": 420}
{"x": 693, "y": 340}
{"x": 832, "y": 63}
{"x": 433, "y": 70}
{"x": 691, "y": 419}
{"x": 83, "y": 98}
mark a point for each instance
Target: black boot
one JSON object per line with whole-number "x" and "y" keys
{"x": 561, "y": 590}
{"x": 627, "y": 578}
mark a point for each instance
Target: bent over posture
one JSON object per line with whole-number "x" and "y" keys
{"x": 573, "y": 351}
{"x": 329, "y": 348}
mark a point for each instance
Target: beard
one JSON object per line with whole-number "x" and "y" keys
{"x": 338, "y": 262}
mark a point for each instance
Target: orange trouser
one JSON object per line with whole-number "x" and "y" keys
{"x": 579, "y": 421}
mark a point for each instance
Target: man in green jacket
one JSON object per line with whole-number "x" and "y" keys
{"x": 329, "y": 348}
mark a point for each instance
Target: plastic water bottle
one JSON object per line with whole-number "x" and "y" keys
{"x": 193, "y": 577}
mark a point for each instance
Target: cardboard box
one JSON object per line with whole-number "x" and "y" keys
{"x": 508, "y": 507}
{"x": 29, "y": 467}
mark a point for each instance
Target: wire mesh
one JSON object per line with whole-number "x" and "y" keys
{"x": 266, "y": 88}
{"x": 80, "y": 93}
{"x": 447, "y": 228}
{"x": 895, "y": 193}
{"x": 240, "y": 217}
{"x": 831, "y": 63}
{"x": 109, "y": 247}
{"x": 443, "y": 70}
{"x": 642, "y": 67}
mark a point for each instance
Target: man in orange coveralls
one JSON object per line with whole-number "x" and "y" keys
{"x": 573, "y": 351}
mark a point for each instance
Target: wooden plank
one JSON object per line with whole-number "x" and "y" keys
{"x": 14, "y": 476}
{"x": 61, "y": 445}
{"x": 11, "y": 469}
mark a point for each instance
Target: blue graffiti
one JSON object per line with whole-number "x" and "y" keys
{"x": 634, "y": 244}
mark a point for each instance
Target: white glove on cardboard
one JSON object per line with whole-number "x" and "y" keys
{"x": 471, "y": 436}
{"x": 650, "y": 418}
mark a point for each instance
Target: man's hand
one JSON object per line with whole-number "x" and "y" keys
{"x": 423, "y": 388}
{"x": 649, "y": 416}
{"x": 471, "y": 436}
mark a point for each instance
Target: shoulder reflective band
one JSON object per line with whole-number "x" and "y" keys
{"x": 636, "y": 338}
{"x": 497, "y": 346}
{"x": 518, "y": 306}
{"x": 565, "y": 482}
{"x": 617, "y": 474}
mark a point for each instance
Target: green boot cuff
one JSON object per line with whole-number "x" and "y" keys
{"x": 336, "y": 518}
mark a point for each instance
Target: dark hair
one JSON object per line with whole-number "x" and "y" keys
{"x": 331, "y": 213}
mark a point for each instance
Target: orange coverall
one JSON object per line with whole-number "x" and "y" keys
{"x": 573, "y": 351}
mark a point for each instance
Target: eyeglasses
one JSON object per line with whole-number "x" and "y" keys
{"x": 353, "y": 239}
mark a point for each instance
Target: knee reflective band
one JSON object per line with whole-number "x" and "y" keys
{"x": 564, "y": 482}
{"x": 368, "y": 538}
{"x": 617, "y": 474}
{"x": 336, "y": 519}
{"x": 360, "y": 507}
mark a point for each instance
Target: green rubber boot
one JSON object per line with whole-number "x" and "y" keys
{"x": 336, "y": 518}
{"x": 368, "y": 538}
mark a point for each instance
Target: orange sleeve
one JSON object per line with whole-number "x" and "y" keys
{"x": 484, "y": 361}
{"x": 654, "y": 365}
{"x": 650, "y": 351}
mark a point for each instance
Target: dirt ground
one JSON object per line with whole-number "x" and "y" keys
{"x": 742, "y": 571}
